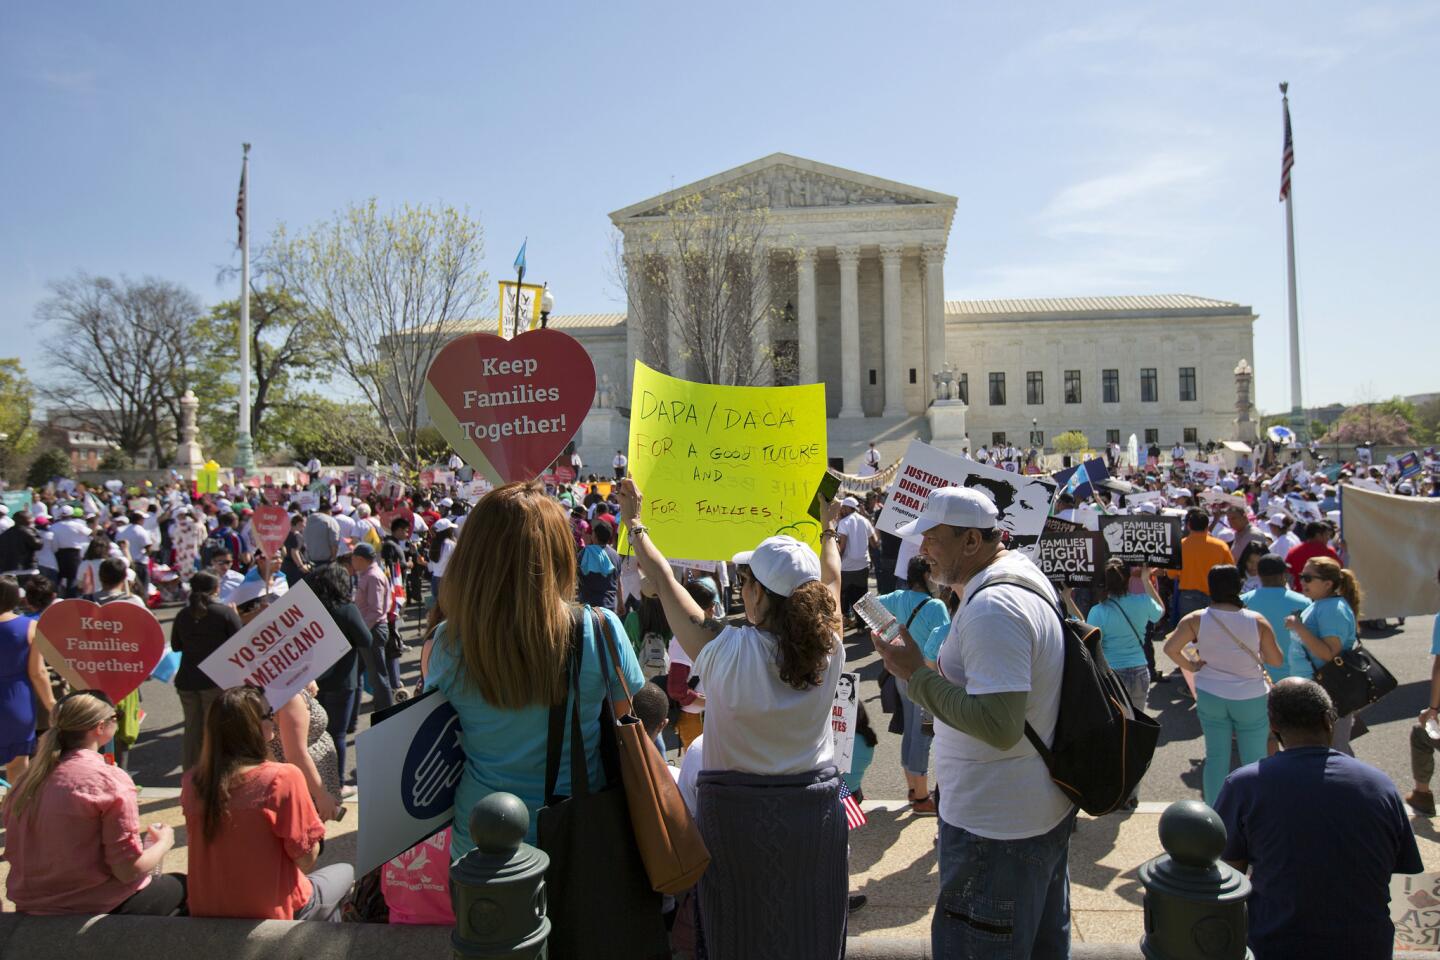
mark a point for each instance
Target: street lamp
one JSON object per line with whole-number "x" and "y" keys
{"x": 1034, "y": 431}
{"x": 547, "y": 305}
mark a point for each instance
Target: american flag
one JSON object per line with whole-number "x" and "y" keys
{"x": 854, "y": 816}
{"x": 1287, "y": 159}
{"x": 240, "y": 209}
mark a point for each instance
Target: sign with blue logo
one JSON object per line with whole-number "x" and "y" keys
{"x": 408, "y": 766}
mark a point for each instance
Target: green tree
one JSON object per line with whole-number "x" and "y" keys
{"x": 1071, "y": 442}
{"x": 17, "y": 406}
{"x": 333, "y": 432}
{"x": 1427, "y": 422}
{"x": 389, "y": 290}
{"x": 286, "y": 350}
{"x": 51, "y": 463}
{"x": 1367, "y": 423}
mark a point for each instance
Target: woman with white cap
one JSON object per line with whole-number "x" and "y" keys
{"x": 442, "y": 545}
{"x": 769, "y": 805}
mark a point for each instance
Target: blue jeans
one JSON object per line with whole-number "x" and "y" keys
{"x": 914, "y": 745}
{"x": 1003, "y": 898}
{"x": 1247, "y": 720}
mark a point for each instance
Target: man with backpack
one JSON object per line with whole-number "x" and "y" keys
{"x": 1004, "y": 825}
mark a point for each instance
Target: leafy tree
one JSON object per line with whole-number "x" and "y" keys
{"x": 117, "y": 460}
{"x": 51, "y": 463}
{"x": 120, "y": 357}
{"x": 17, "y": 404}
{"x": 332, "y": 432}
{"x": 1427, "y": 422}
{"x": 286, "y": 349}
{"x": 1367, "y": 423}
{"x": 389, "y": 290}
{"x": 1071, "y": 442}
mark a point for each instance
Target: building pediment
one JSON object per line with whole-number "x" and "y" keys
{"x": 783, "y": 182}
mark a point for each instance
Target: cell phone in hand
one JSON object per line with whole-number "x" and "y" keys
{"x": 829, "y": 486}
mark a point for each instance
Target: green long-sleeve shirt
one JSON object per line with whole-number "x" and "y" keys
{"x": 997, "y": 719}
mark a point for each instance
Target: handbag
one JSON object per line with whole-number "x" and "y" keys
{"x": 668, "y": 837}
{"x": 598, "y": 896}
{"x": 1354, "y": 679}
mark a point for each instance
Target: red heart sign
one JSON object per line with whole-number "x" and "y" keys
{"x": 509, "y": 407}
{"x": 271, "y": 525}
{"x": 111, "y": 648}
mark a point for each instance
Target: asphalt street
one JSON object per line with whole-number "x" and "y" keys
{"x": 1174, "y": 774}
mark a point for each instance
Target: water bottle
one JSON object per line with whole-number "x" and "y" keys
{"x": 869, "y": 609}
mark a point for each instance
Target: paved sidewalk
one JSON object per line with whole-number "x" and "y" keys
{"x": 893, "y": 862}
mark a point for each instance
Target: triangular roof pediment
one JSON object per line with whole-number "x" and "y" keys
{"x": 792, "y": 182}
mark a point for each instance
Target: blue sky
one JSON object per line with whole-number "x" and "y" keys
{"x": 1095, "y": 148}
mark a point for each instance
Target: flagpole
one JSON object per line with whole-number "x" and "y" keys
{"x": 1297, "y": 414}
{"x": 244, "y": 455}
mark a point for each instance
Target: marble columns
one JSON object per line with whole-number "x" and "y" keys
{"x": 849, "y": 258}
{"x": 891, "y": 328}
{"x": 932, "y": 259}
{"x": 809, "y": 345}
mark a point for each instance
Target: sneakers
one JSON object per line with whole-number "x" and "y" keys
{"x": 1422, "y": 802}
{"x": 924, "y": 808}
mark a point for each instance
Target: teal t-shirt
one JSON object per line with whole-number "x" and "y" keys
{"x": 931, "y": 645}
{"x": 1122, "y": 639}
{"x": 932, "y": 613}
{"x": 1275, "y": 604}
{"x": 859, "y": 763}
{"x": 505, "y": 749}
{"x": 1435, "y": 638}
{"x": 1331, "y": 617}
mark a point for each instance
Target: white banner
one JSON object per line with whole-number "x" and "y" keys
{"x": 1207, "y": 472}
{"x": 408, "y": 766}
{"x": 1143, "y": 496}
{"x": 1023, "y": 501}
{"x": 291, "y": 643}
{"x": 843, "y": 717}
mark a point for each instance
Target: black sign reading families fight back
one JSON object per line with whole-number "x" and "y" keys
{"x": 1152, "y": 540}
{"x": 1070, "y": 558}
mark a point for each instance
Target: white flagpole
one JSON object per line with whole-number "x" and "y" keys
{"x": 244, "y": 458}
{"x": 1297, "y": 411}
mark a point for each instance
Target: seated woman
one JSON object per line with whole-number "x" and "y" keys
{"x": 769, "y": 794}
{"x": 72, "y": 826}
{"x": 253, "y": 831}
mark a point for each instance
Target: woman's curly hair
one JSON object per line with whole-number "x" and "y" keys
{"x": 804, "y": 625}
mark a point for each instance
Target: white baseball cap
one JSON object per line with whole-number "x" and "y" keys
{"x": 782, "y": 564}
{"x": 849, "y": 502}
{"x": 952, "y": 507}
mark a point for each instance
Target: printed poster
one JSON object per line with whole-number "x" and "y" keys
{"x": 843, "y": 716}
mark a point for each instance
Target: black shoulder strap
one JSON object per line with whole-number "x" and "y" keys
{"x": 1128, "y": 621}
{"x": 916, "y": 612}
{"x": 579, "y": 780}
{"x": 1020, "y": 582}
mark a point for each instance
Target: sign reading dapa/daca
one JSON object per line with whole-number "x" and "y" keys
{"x": 722, "y": 468}
{"x": 408, "y": 765}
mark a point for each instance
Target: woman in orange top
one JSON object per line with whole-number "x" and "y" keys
{"x": 254, "y": 833}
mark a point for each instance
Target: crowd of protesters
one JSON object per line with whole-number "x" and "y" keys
{"x": 742, "y": 659}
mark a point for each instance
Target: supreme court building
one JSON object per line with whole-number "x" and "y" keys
{"x": 858, "y": 263}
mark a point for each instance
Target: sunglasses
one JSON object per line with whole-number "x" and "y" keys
{"x": 1307, "y": 577}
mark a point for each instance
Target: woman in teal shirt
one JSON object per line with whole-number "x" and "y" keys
{"x": 500, "y": 656}
{"x": 1325, "y": 628}
{"x": 922, "y": 614}
{"x": 1122, "y": 618}
{"x": 1274, "y": 600}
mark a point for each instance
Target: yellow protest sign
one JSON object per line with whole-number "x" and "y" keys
{"x": 722, "y": 468}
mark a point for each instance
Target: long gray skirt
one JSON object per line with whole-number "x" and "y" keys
{"x": 778, "y": 880}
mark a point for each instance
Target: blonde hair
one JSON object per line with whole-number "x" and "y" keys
{"x": 73, "y": 717}
{"x": 506, "y": 595}
{"x": 1341, "y": 578}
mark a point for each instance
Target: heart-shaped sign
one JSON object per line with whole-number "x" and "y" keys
{"x": 509, "y": 407}
{"x": 113, "y": 648}
{"x": 271, "y": 525}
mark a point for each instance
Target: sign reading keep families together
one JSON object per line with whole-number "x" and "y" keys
{"x": 722, "y": 468}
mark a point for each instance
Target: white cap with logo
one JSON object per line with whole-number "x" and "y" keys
{"x": 952, "y": 507}
{"x": 781, "y": 564}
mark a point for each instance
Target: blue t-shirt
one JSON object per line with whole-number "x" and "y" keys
{"x": 505, "y": 749}
{"x": 1121, "y": 639}
{"x": 932, "y": 613}
{"x": 859, "y": 762}
{"x": 931, "y": 645}
{"x": 1315, "y": 824}
{"x": 1435, "y": 637}
{"x": 1331, "y": 617}
{"x": 1275, "y": 604}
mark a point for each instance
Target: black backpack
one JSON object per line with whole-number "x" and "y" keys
{"x": 1103, "y": 744}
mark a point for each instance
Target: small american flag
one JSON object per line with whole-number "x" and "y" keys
{"x": 1287, "y": 158}
{"x": 854, "y": 816}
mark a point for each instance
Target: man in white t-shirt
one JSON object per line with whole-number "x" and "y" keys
{"x": 999, "y": 671}
{"x": 619, "y": 464}
{"x": 872, "y": 461}
{"x": 855, "y": 536}
{"x": 1177, "y": 452}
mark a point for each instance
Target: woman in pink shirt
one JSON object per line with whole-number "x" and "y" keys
{"x": 72, "y": 827}
{"x": 253, "y": 830}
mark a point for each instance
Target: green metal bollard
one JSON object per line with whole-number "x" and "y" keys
{"x": 1194, "y": 903}
{"x": 498, "y": 889}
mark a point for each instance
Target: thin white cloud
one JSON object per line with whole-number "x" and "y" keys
{"x": 69, "y": 81}
{"x": 1152, "y": 177}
